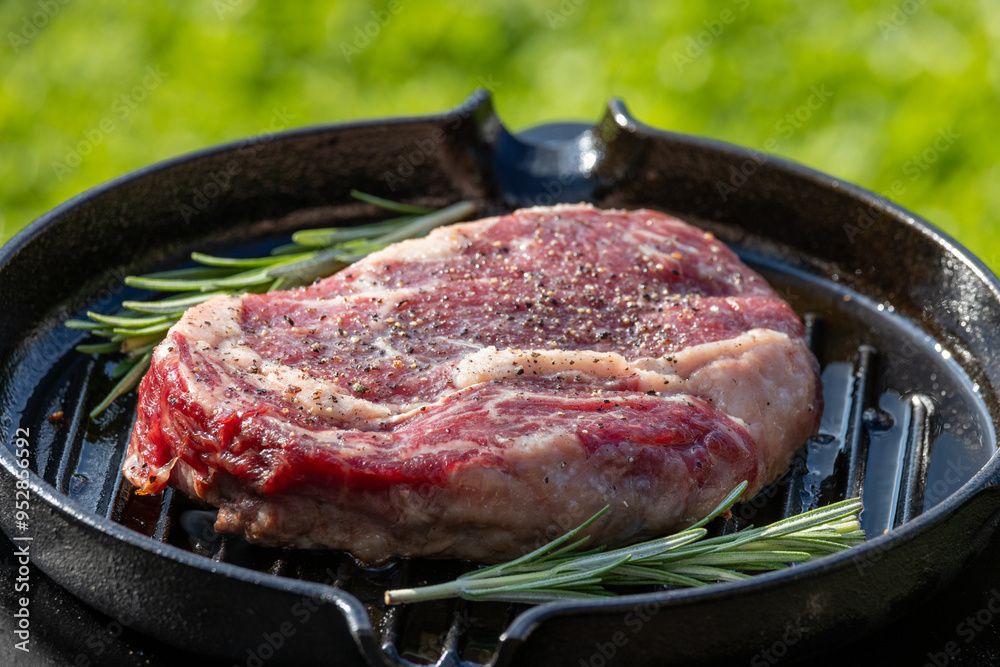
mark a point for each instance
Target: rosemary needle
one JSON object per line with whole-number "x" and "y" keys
{"x": 688, "y": 558}
{"x": 314, "y": 253}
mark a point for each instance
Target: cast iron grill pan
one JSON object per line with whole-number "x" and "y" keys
{"x": 902, "y": 320}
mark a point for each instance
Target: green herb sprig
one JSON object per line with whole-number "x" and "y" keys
{"x": 562, "y": 570}
{"x": 313, "y": 253}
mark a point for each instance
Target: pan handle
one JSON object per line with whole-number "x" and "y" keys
{"x": 564, "y": 162}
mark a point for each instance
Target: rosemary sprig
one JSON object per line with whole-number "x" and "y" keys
{"x": 313, "y": 253}
{"x": 561, "y": 570}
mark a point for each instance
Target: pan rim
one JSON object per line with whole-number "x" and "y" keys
{"x": 987, "y": 477}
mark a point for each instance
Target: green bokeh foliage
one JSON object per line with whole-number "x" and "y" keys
{"x": 897, "y": 74}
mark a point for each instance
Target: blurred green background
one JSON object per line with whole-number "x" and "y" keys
{"x": 904, "y": 94}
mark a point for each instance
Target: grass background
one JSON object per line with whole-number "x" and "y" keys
{"x": 89, "y": 92}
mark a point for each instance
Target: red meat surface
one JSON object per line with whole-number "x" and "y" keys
{"x": 474, "y": 393}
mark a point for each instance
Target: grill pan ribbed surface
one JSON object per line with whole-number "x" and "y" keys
{"x": 910, "y": 403}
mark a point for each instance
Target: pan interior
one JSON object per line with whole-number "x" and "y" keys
{"x": 48, "y": 389}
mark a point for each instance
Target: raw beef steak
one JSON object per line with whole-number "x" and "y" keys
{"x": 474, "y": 393}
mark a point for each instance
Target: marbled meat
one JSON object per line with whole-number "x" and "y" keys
{"x": 477, "y": 392}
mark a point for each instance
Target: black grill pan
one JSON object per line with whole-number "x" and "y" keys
{"x": 903, "y": 320}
